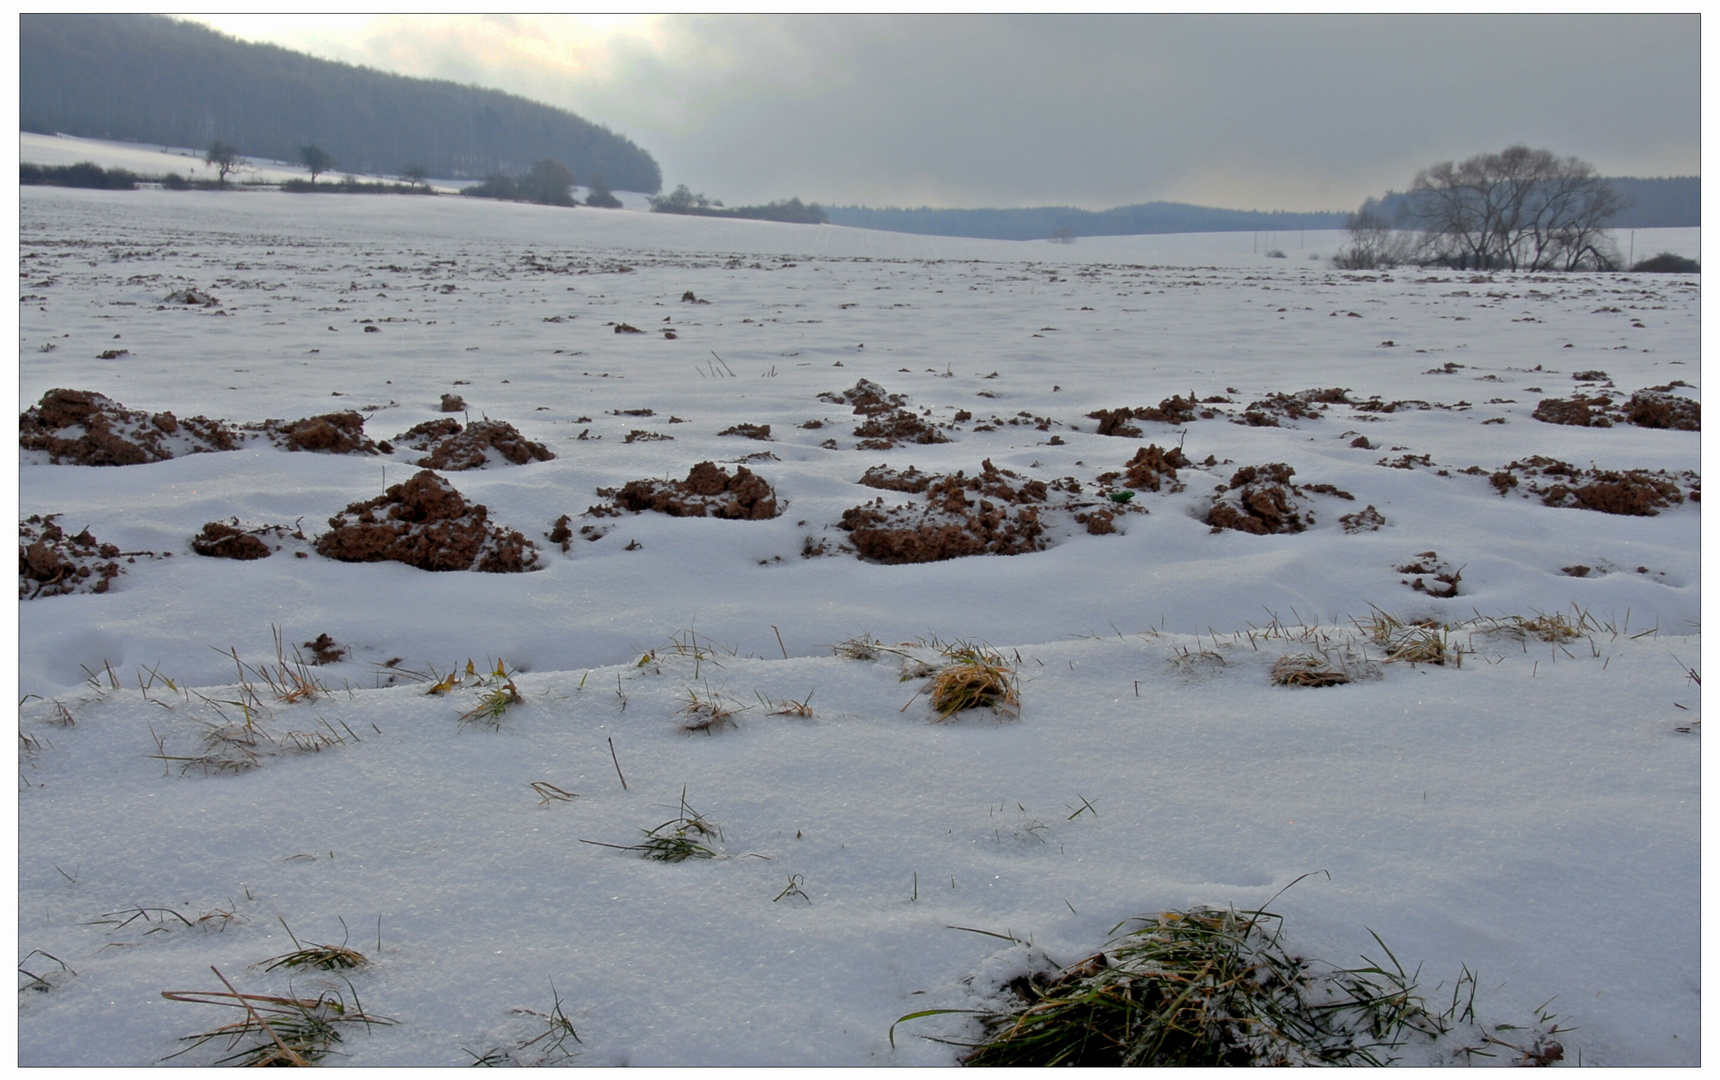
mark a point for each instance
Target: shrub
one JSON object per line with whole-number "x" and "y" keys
{"x": 1667, "y": 263}
{"x": 85, "y": 174}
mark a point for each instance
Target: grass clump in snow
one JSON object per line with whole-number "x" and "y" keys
{"x": 547, "y": 1047}
{"x": 1426, "y": 642}
{"x": 1204, "y": 988}
{"x": 493, "y": 705}
{"x": 978, "y": 678}
{"x": 276, "y": 1030}
{"x": 679, "y": 838}
{"x": 313, "y": 955}
{"x": 1306, "y": 669}
{"x": 708, "y": 713}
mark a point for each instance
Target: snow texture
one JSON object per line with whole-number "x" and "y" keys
{"x": 1530, "y": 812}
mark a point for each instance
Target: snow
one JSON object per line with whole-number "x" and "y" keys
{"x": 1531, "y": 814}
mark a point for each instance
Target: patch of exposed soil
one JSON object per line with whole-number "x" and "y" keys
{"x": 1172, "y": 410}
{"x": 330, "y": 433}
{"x": 885, "y": 478}
{"x": 887, "y": 422}
{"x": 708, "y": 491}
{"x": 749, "y": 431}
{"x": 1432, "y": 575}
{"x": 453, "y": 403}
{"x": 232, "y": 540}
{"x": 1632, "y": 492}
{"x": 1655, "y": 407}
{"x": 426, "y": 523}
{"x": 1302, "y": 405}
{"x": 1149, "y": 470}
{"x": 1261, "y": 500}
{"x": 50, "y": 563}
{"x": 325, "y": 650}
{"x": 456, "y": 449}
{"x": 1365, "y": 520}
{"x": 994, "y": 513}
{"x": 191, "y": 297}
{"x": 78, "y": 427}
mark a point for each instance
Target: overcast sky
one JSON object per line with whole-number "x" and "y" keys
{"x": 1245, "y": 112}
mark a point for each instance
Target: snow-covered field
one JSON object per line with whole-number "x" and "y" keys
{"x": 1530, "y": 813}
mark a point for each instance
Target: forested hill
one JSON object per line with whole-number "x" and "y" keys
{"x": 150, "y": 79}
{"x": 1040, "y": 222}
{"x": 1675, "y": 202}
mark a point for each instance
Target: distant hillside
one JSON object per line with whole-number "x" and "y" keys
{"x": 150, "y": 79}
{"x": 1673, "y": 202}
{"x": 1042, "y": 222}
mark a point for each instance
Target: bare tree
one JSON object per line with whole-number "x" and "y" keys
{"x": 414, "y": 174}
{"x": 316, "y": 159}
{"x": 1373, "y": 245}
{"x": 1521, "y": 209}
{"x": 224, "y": 156}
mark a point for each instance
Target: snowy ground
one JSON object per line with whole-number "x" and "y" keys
{"x": 1531, "y": 814}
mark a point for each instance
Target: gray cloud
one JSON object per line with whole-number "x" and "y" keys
{"x": 1267, "y": 112}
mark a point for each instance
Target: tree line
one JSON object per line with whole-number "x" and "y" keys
{"x": 154, "y": 80}
{"x": 1519, "y": 209}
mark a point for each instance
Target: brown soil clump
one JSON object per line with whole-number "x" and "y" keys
{"x": 887, "y": 423}
{"x": 994, "y": 513}
{"x": 453, "y": 403}
{"x": 1365, "y": 520}
{"x": 1632, "y": 492}
{"x": 1115, "y": 422}
{"x": 1175, "y": 409}
{"x": 78, "y": 427}
{"x": 330, "y": 433}
{"x": 50, "y": 563}
{"x": 1659, "y": 408}
{"x": 192, "y": 298}
{"x": 455, "y": 449}
{"x": 749, "y": 431}
{"x": 223, "y": 541}
{"x": 1576, "y": 411}
{"x": 325, "y": 650}
{"x": 1261, "y": 501}
{"x": 1302, "y": 405}
{"x": 885, "y": 478}
{"x": 1152, "y": 467}
{"x": 1432, "y": 575}
{"x": 425, "y": 523}
{"x": 708, "y": 491}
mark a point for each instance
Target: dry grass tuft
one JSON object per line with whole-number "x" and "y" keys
{"x": 1306, "y": 669}
{"x": 276, "y": 1030}
{"x": 313, "y": 955}
{"x": 978, "y": 678}
{"x": 708, "y": 713}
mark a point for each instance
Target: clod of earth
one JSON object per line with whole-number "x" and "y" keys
{"x": 324, "y": 650}
{"x": 50, "y": 563}
{"x": 1264, "y": 502}
{"x": 331, "y": 433}
{"x": 1365, "y": 520}
{"x": 1151, "y": 467}
{"x": 1632, "y": 492}
{"x": 192, "y": 297}
{"x": 453, "y": 403}
{"x": 1655, "y": 407}
{"x": 708, "y": 491}
{"x": 426, "y": 523}
{"x": 223, "y": 541}
{"x": 78, "y": 427}
{"x": 887, "y": 423}
{"x": 749, "y": 431}
{"x": 994, "y": 513}
{"x": 452, "y": 448}
{"x": 1433, "y": 576}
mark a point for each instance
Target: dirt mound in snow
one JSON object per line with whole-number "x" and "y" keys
{"x": 708, "y": 491}
{"x": 232, "y": 540}
{"x": 79, "y": 427}
{"x": 330, "y": 433}
{"x": 1152, "y": 467}
{"x": 887, "y": 422}
{"x": 1632, "y": 492}
{"x": 994, "y": 513}
{"x": 425, "y": 523}
{"x": 1175, "y": 409}
{"x": 452, "y": 448}
{"x": 1260, "y": 500}
{"x": 50, "y": 563}
{"x": 1302, "y": 405}
{"x": 1655, "y": 407}
{"x": 885, "y": 478}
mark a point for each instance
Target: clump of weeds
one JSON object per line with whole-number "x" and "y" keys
{"x": 313, "y": 955}
{"x": 276, "y": 1030}
{"x": 708, "y": 713}
{"x": 1307, "y": 669}
{"x": 1204, "y": 987}
{"x": 684, "y": 836}
{"x": 547, "y": 1047}
{"x": 491, "y": 707}
{"x": 977, "y": 677}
